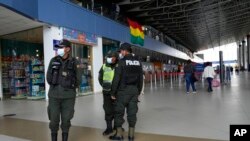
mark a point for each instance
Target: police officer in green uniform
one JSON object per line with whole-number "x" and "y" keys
{"x": 126, "y": 87}
{"x": 62, "y": 76}
{"x": 106, "y": 75}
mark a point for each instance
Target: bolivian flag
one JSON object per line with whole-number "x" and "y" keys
{"x": 136, "y": 32}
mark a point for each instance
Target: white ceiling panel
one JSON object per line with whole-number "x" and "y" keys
{"x": 11, "y": 22}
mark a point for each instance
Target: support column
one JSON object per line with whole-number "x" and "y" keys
{"x": 97, "y": 64}
{"x": 50, "y": 33}
{"x": 248, "y": 52}
{"x": 243, "y": 54}
{"x": 221, "y": 67}
{"x": 239, "y": 56}
{"x": 1, "y": 88}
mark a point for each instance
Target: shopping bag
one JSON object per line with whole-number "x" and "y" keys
{"x": 194, "y": 77}
{"x": 215, "y": 83}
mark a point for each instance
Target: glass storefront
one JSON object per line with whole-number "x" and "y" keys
{"x": 22, "y": 65}
{"x": 109, "y": 45}
{"x": 82, "y": 44}
{"x": 83, "y": 53}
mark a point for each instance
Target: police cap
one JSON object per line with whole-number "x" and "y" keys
{"x": 112, "y": 54}
{"x": 126, "y": 46}
{"x": 63, "y": 43}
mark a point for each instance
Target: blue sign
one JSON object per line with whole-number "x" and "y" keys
{"x": 55, "y": 42}
{"x": 79, "y": 37}
{"x": 199, "y": 67}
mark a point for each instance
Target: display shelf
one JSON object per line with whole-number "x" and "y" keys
{"x": 37, "y": 80}
{"x": 18, "y": 79}
{"x": 19, "y": 97}
{"x": 38, "y": 83}
{"x": 20, "y": 86}
{"x": 35, "y": 97}
{"x": 37, "y": 77}
{"x": 6, "y": 66}
{"x": 38, "y": 71}
{"x": 36, "y": 64}
{"x": 84, "y": 94}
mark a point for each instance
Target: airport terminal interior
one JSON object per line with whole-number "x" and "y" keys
{"x": 163, "y": 34}
{"x": 166, "y": 113}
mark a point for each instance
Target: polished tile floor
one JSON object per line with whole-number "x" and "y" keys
{"x": 27, "y": 130}
{"x": 166, "y": 113}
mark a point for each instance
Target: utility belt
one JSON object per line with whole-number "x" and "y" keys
{"x": 106, "y": 86}
{"x": 63, "y": 86}
{"x": 124, "y": 86}
{"x": 130, "y": 81}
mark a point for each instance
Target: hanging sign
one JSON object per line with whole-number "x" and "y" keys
{"x": 79, "y": 36}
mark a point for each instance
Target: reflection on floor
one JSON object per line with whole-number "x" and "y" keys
{"x": 8, "y": 138}
{"x": 38, "y": 131}
{"x": 166, "y": 112}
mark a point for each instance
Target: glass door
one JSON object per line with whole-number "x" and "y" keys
{"x": 83, "y": 54}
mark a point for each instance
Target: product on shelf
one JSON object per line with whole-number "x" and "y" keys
{"x": 18, "y": 75}
{"x": 37, "y": 83}
{"x": 6, "y": 65}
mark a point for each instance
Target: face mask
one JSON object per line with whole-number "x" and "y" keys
{"x": 60, "y": 52}
{"x": 109, "y": 60}
{"x": 121, "y": 56}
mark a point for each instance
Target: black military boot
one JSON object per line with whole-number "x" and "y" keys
{"x": 53, "y": 136}
{"x": 130, "y": 138}
{"x": 118, "y": 135}
{"x": 109, "y": 129}
{"x": 131, "y": 133}
{"x": 65, "y": 136}
{"x": 114, "y": 129}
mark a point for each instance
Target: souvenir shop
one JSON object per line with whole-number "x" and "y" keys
{"x": 22, "y": 65}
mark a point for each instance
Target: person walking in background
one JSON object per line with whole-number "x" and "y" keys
{"x": 189, "y": 71}
{"x": 106, "y": 75}
{"x": 143, "y": 84}
{"x": 231, "y": 69}
{"x": 209, "y": 74}
{"x": 237, "y": 69}
{"x": 228, "y": 74}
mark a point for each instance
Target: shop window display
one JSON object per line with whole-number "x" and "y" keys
{"x": 37, "y": 79}
{"x": 83, "y": 56}
{"x": 17, "y": 69}
{"x": 109, "y": 45}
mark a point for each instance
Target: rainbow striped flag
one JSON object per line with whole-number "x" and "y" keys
{"x": 136, "y": 32}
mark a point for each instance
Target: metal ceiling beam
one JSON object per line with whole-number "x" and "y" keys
{"x": 209, "y": 21}
{"x": 129, "y": 2}
{"x": 197, "y": 15}
{"x": 138, "y": 9}
{"x": 167, "y": 12}
{"x": 232, "y": 29}
{"x": 181, "y": 41}
{"x": 188, "y": 10}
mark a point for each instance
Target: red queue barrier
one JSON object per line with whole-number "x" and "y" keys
{"x": 167, "y": 75}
